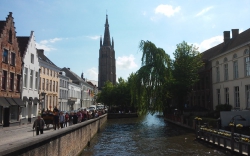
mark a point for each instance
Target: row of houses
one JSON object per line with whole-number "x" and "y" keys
{"x": 31, "y": 82}
{"x": 225, "y": 77}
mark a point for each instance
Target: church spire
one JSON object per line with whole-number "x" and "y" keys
{"x": 106, "y": 41}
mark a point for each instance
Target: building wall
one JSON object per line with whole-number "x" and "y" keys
{"x": 242, "y": 81}
{"x": 63, "y": 92}
{"x": 30, "y": 90}
{"x": 69, "y": 141}
{"x": 75, "y": 93}
{"x": 48, "y": 79}
{"x": 8, "y": 41}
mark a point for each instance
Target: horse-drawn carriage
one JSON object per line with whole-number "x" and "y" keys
{"x": 48, "y": 117}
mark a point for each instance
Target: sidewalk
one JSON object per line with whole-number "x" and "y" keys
{"x": 9, "y": 135}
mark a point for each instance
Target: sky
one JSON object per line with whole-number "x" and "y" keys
{"x": 69, "y": 31}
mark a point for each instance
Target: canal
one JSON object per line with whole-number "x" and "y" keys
{"x": 147, "y": 135}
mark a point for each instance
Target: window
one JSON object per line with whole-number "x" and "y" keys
{"x": 11, "y": 81}
{"x": 18, "y": 83}
{"x": 225, "y": 72}
{"x": 32, "y": 58}
{"x": 44, "y": 70}
{"x": 36, "y": 80}
{"x": 235, "y": 69}
{"x": 43, "y": 84}
{"x": 236, "y": 97}
{"x": 50, "y": 85}
{"x": 13, "y": 58}
{"x": 247, "y": 66}
{"x": 25, "y": 77}
{"x": 47, "y": 71}
{"x": 4, "y": 80}
{"x": 47, "y": 85}
{"x": 31, "y": 79}
{"x": 218, "y": 96}
{"x": 10, "y": 36}
{"x": 248, "y": 95}
{"x": 51, "y": 72}
{"x": 227, "y": 96}
{"x": 56, "y": 86}
{"x": 53, "y": 86}
{"x": 5, "y": 56}
{"x": 217, "y": 74}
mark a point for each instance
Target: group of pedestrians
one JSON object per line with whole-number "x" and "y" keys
{"x": 61, "y": 120}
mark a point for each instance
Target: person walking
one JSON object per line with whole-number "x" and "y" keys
{"x": 56, "y": 121}
{"x": 61, "y": 119}
{"x": 66, "y": 119}
{"x": 39, "y": 125}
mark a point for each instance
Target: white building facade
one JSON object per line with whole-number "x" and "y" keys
{"x": 231, "y": 73}
{"x": 74, "y": 97}
{"x": 30, "y": 84}
{"x": 63, "y": 91}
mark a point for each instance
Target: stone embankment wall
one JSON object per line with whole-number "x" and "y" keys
{"x": 69, "y": 141}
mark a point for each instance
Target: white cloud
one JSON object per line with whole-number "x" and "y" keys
{"x": 204, "y": 11}
{"x": 126, "y": 62}
{"x": 92, "y": 74}
{"x": 144, "y": 13}
{"x": 209, "y": 43}
{"x": 94, "y": 37}
{"x": 167, "y": 10}
{"x": 46, "y": 44}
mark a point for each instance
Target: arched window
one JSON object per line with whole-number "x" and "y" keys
{"x": 225, "y": 59}
{"x": 10, "y": 36}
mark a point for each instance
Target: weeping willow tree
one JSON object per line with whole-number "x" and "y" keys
{"x": 150, "y": 82}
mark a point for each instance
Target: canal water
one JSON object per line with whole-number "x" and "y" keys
{"x": 147, "y": 135}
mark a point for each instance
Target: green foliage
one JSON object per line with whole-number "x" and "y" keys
{"x": 223, "y": 107}
{"x": 185, "y": 70}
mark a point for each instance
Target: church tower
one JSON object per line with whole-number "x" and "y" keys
{"x": 107, "y": 64}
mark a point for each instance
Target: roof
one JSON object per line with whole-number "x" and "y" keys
{"x": 23, "y": 43}
{"x": 73, "y": 76}
{"x": 41, "y": 56}
{"x": 239, "y": 40}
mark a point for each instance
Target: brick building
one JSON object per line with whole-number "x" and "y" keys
{"x": 10, "y": 73}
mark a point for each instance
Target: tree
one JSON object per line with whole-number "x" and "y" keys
{"x": 185, "y": 70}
{"x": 106, "y": 95}
{"x": 149, "y": 81}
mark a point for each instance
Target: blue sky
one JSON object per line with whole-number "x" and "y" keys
{"x": 69, "y": 30}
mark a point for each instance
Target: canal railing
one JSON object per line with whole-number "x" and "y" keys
{"x": 229, "y": 140}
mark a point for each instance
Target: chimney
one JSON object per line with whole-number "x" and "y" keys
{"x": 235, "y": 33}
{"x": 40, "y": 51}
{"x": 68, "y": 68}
{"x": 226, "y": 36}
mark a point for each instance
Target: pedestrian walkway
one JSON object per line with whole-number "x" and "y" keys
{"x": 9, "y": 135}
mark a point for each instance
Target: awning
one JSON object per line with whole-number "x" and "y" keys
{"x": 25, "y": 99}
{"x": 19, "y": 102}
{"x": 35, "y": 101}
{"x": 11, "y": 101}
{"x": 3, "y": 102}
{"x": 30, "y": 98}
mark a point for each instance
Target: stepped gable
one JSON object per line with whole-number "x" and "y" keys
{"x": 23, "y": 44}
{"x": 42, "y": 57}
{"x": 234, "y": 42}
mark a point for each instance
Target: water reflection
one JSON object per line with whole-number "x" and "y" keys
{"x": 146, "y": 136}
